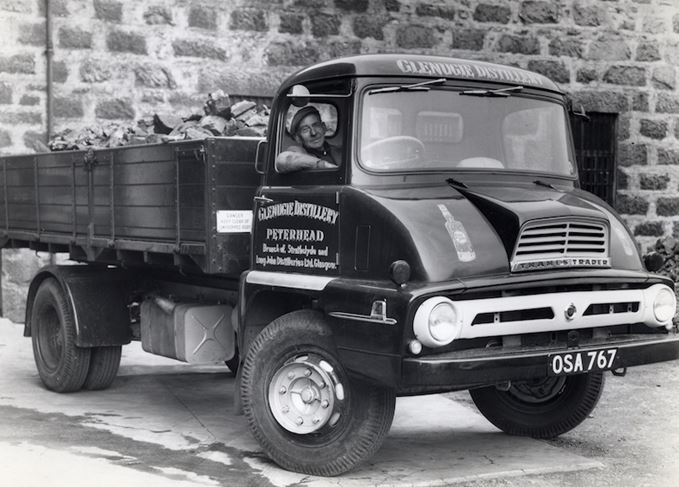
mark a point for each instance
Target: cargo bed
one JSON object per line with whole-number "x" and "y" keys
{"x": 133, "y": 206}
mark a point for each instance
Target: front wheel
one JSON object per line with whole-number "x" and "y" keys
{"x": 540, "y": 408}
{"x": 302, "y": 407}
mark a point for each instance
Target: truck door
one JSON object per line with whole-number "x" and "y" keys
{"x": 297, "y": 214}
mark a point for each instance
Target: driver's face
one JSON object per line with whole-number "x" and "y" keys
{"x": 311, "y": 132}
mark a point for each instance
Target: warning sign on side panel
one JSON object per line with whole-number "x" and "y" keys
{"x": 234, "y": 221}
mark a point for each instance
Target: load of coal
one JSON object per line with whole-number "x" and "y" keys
{"x": 220, "y": 117}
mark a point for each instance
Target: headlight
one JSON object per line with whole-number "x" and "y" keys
{"x": 437, "y": 322}
{"x": 664, "y": 305}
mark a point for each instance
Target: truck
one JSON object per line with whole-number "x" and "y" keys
{"x": 451, "y": 248}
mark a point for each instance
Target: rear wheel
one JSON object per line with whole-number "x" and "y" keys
{"x": 62, "y": 366}
{"x": 540, "y": 408}
{"x": 302, "y": 407}
{"x": 104, "y": 364}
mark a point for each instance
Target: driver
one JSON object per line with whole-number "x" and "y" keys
{"x": 312, "y": 151}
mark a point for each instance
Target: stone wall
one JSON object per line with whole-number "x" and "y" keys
{"x": 124, "y": 59}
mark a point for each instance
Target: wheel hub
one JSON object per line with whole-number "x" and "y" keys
{"x": 303, "y": 394}
{"x": 538, "y": 391}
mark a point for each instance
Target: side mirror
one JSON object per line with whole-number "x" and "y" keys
{"x": 300, "y": 95}
{"x": 653, "y": 261}
{"x": 260, "y": 156}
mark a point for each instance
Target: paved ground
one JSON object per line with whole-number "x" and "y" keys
{"x": 163, "y": 423}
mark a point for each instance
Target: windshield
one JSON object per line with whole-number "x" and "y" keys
{"x": 439, "y": 129}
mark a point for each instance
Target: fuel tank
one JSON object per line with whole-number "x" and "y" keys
{"x": 448, "y": 231}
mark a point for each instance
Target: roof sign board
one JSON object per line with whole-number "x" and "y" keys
{"x": 471, "y": 71}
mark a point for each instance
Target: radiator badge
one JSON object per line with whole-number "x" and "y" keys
{"x": 459, "y": 236}
{"x": 543, "y": 264}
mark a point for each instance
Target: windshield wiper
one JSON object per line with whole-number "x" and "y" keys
{"x": 455, "y": 183}
{"x": 423, "y": 86}
{"x": 542, "y": 183}
{"x": 498, "y": 92}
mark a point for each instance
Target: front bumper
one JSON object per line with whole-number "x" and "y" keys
{"x": 477, "y": 367}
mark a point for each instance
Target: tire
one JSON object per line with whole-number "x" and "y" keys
{"x": 104, "y": 363}
{"x": 344, "y": 421}
{"x": 62, "y": 365}
{"x": 541, "y": 408}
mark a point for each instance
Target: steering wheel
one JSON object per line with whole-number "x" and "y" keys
{"x": 400, "y": 149}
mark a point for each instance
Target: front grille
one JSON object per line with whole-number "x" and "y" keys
{"x": 567, "y": 240}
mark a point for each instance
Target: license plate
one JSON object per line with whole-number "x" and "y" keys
{"x": 578, "y": 362}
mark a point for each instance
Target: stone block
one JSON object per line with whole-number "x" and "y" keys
{"x": 20, "y": 118}
{"x": 33, "y": 34}
{"x": 668, "y": 157}
{"x": 203, "y": 17}
{"x": 566, "y": 46}
{"x": 625, "y": 75}
{"x": 586, "y": 75}
{"x": 656, "y": 182}
{"x": 648, "y": 51}
{"x": 446, "y": 12}
{"x": 392, "y": 5}
{"x": 676, "y": 128}
{"x": 5, "y": 94}
{"x": 291, "y": 23}
{"x": 115, "y": 109}
{"x": 369, "y": 26}
{"x": 340, "y": 48}
{"x": 414, "y": 36}
{"x": 68, "y": 107}
{"x": 16, "y": 6}
{"x": 323, "y": 25}
{"x": 675, "y": 23}
{"x": 601, "y": 101}
{"x": 671, "y": 52}
{"x": 29, "y": 100}
{"x": 664, "y": 77}
{"x": 154, "y": 76}
{"x": 249, "y": 19}
{"x": 631, "y": 205}
{"x": 359, "y": 6}
{"x": 108, "y": 11}
{"x": 654, "y": 129}
{"x": 609, "y": 47}
{"x": 649, "y": 229}
{"x": 158, "y": 15}
{"x": 74, "y": 38}
{"x": 589, "y": 15}
{"x": 468, "y": 39}
{"x": 485, "y": 12}
{"x": 632, "y": 155}
{"x": 122, "y": 41}
{"x": 59, "y": 71}
{"x": 307, "y": 5}
{"x": 290, "y": 53}
{"x": 621, "y": 180}
{"x": 640, "y": 101}
{"x": 95, "y": 71}
{"x": 654, "y": 25}
{"x": 623, "y": 126}
{"x": 539, "y": 12}
{"x": 253, "y": 83}
{"x": 5, "y": 138}
{"x": 554, "y": 70}
{"x": 198, "y": 48}
{"x": 667, "y": 206}
{"x": 518, "y": 44}
{"x": 667, "y": 103}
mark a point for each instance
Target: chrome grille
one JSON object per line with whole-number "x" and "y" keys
{"x": 561, "y": 243}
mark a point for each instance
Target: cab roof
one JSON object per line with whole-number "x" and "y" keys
{"x": 421, "y": 66}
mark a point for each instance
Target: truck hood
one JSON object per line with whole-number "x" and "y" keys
{"x": 452, "y": 232}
